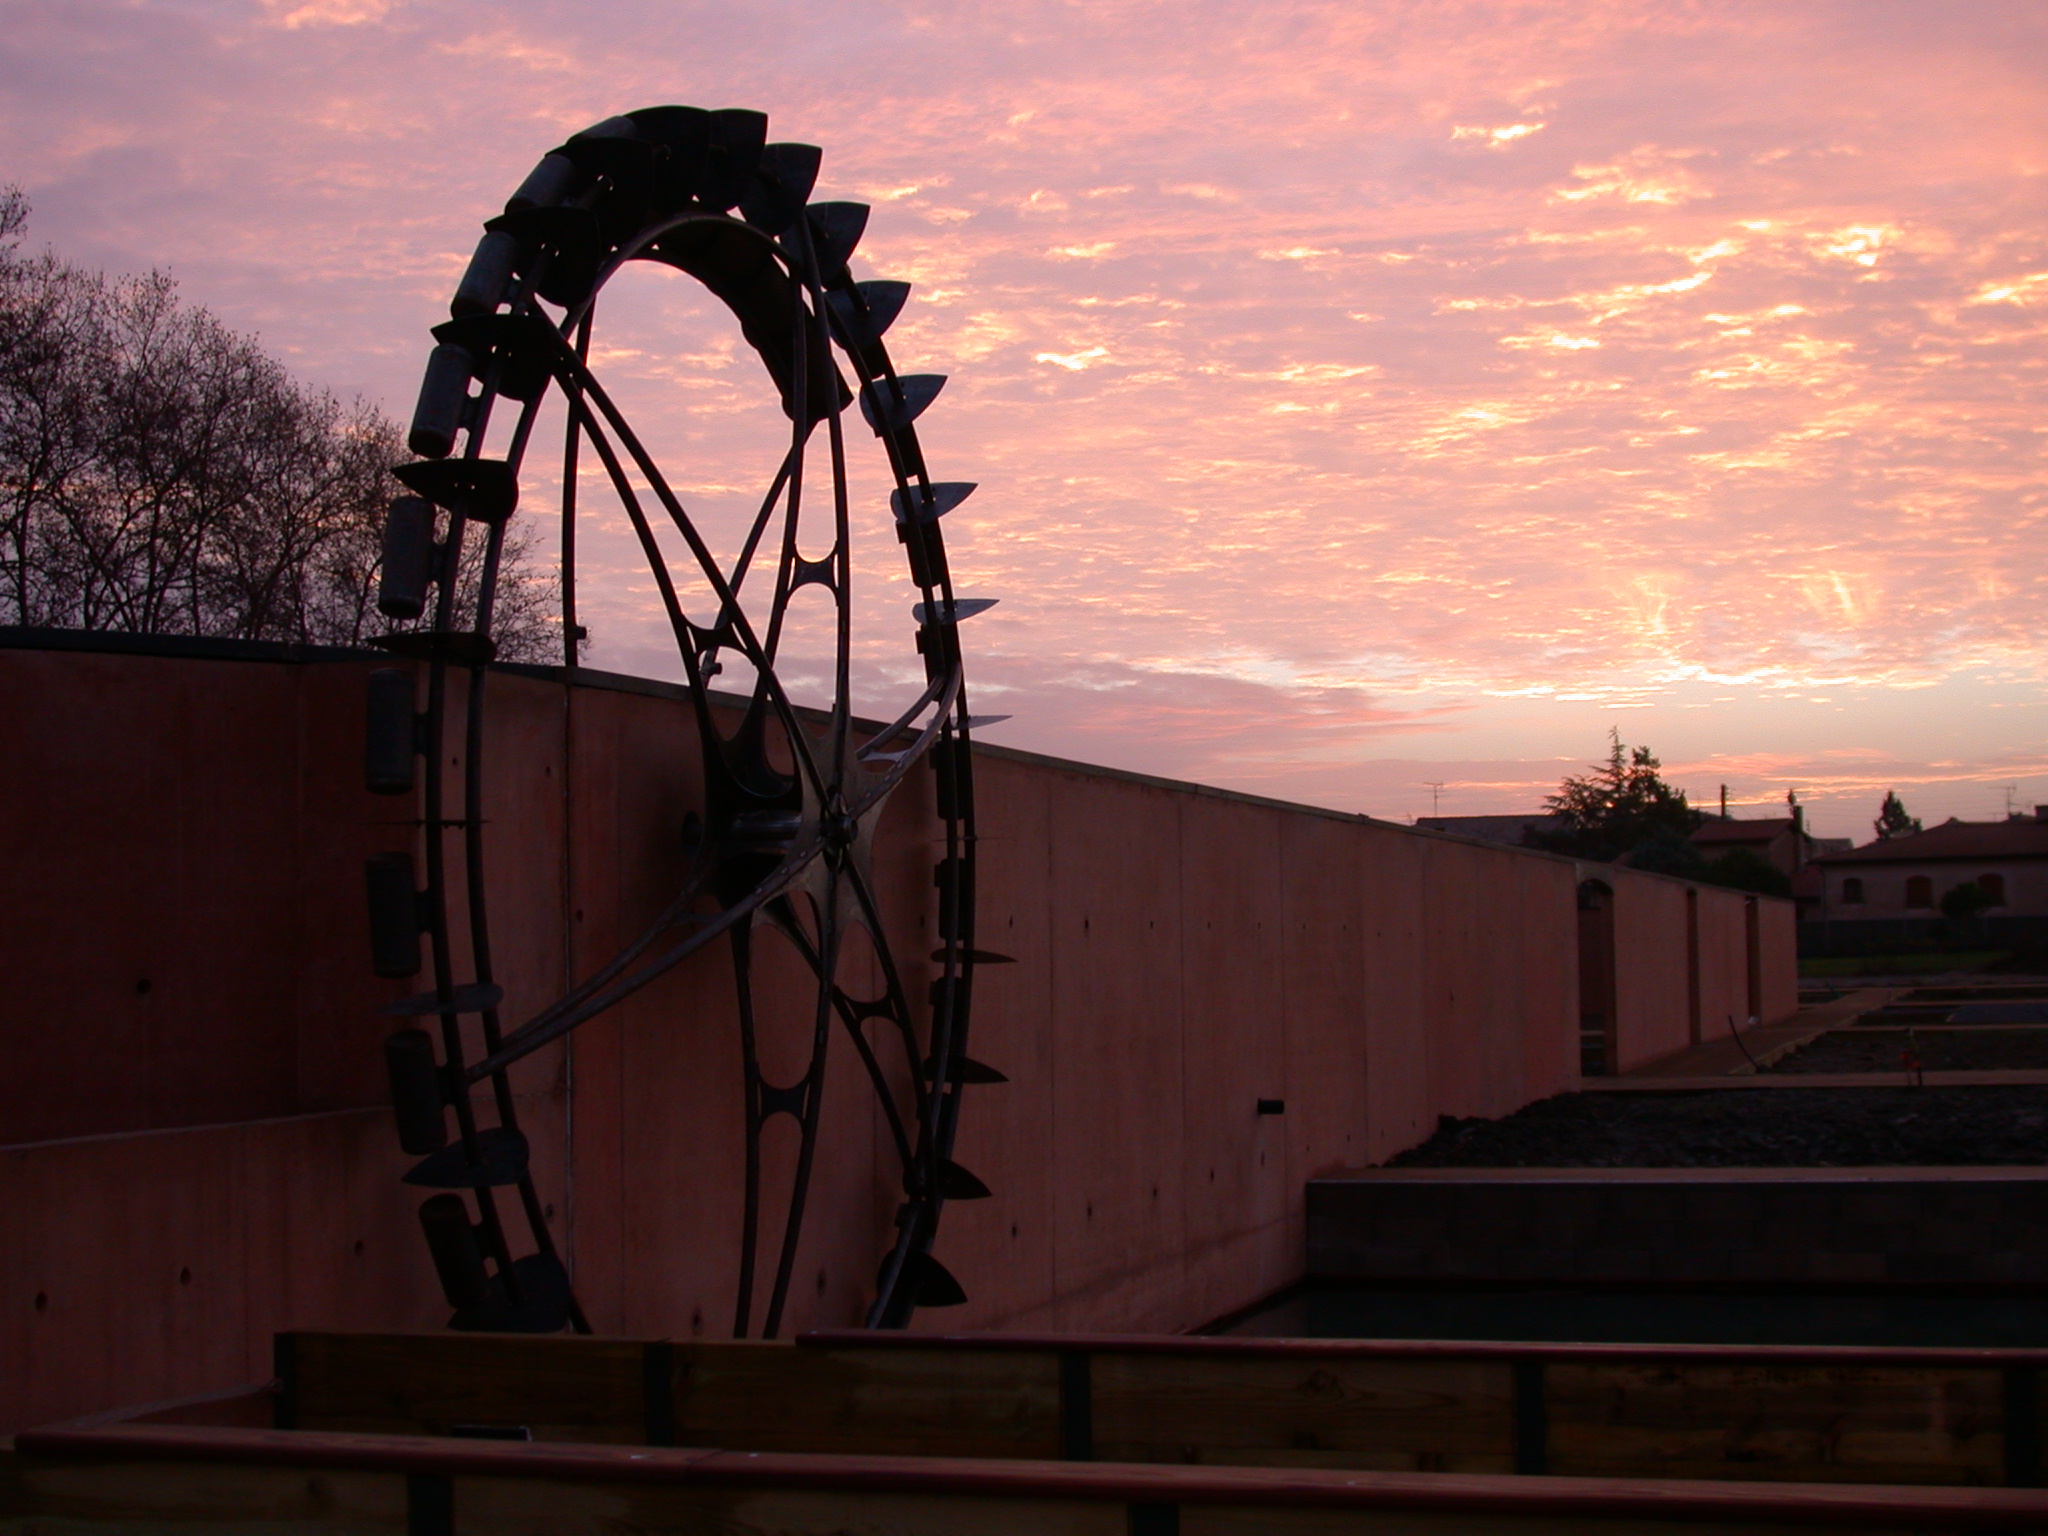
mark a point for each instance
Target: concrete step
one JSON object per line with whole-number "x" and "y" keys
{"x": 1947, "y": 1226}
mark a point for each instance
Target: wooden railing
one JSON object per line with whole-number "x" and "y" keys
{"x": 922, "y": 1435}
{"x": 1896, "y": 1416}
{"x": 175, "y": 1478}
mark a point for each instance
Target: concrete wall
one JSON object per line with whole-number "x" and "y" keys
{"x": 1879, "y": 935}
{"x": 1654, "y": 1012}
{"x": 1713, "y": 1226}
{"x": 192, "y": 1152}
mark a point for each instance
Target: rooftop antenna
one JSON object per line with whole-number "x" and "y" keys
{"x": 2012, "y": 795}
{"x": 1435, "y": 788}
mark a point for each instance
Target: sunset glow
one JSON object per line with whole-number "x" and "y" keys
{"x": 1361, "y": 395}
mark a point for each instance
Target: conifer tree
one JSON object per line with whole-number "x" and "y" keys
{"x": 1621, "y": 805}
{"x": 1892, "y": 820}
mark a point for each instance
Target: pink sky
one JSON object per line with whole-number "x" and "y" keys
{"x": 1362, "y": 395}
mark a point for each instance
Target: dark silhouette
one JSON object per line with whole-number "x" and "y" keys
{"x": 1961, "y": 903}
{"x": 1744, "y": 869}
{"x": 1619, "y": 807}
{"x": 1892, "y": 820}
{"x": 160, "y": 474}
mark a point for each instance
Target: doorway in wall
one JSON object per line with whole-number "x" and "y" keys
{"x": 1753, "y": 956}
{"x": 1692, "y": 967}
{"x": 1597, "y": 1042}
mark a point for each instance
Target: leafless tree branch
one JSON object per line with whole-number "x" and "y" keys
{"x": 160, "y": 474}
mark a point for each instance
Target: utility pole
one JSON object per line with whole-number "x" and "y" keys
{"x": 1724, "y": 802}
{"x": 1435, "y": 788}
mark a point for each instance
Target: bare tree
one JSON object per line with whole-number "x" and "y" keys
{"x": 160, "y": 474}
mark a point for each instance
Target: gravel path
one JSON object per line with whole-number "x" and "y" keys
{"x": 1752, "y": 1128}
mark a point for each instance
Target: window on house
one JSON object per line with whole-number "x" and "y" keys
{"x": 1852, "y": 892}
{"x": 1993, "y": 887}
{"x": 1920, "y": 891}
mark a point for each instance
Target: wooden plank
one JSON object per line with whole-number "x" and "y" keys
{"x": 227, "y": 1479}
{"x": 1256, "y": 1520}
{"x": 438, "y": 1384}
{"x": 1462, "y": 1349}
{"x": 1391, "y": 1415}
{"x": 744, "y": 1395}
{"x": 520, "y": 1507}
{"x": 1683, "y": 1416}
{"x": 119, "y": 1496}
{"x": 772, "y": 1397}
{"x": 1796, "y": 1424}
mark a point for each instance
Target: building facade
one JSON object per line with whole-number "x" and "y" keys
{"x": 1906, "y": 877}
{"x": 1890, "y": 891}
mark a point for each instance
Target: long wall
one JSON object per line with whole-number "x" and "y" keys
{"x": 1655, "y": 1013}
{"x": 194, "y": 1153}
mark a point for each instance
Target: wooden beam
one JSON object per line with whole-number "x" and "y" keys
{"x": 557, "y": 1388}
{"x": 773, "y": 1397}
{"x": 1920, "y": 1417}
{"x": 1804, "y": 1424}
{"x": 153, "y": 1477}
{"x": 1390, "y": 1415}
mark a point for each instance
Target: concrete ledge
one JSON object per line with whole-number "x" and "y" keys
{"x": 2018, "y": 1078}
{"x": 1964, "y": 1226}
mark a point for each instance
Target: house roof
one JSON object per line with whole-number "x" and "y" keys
{"x": 2018, "y": 838}
{"x": 1732, "y": 831}
{"x": 1494, "y": 829}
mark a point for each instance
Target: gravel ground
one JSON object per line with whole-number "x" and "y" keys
{"x": 1752, "y": 1128}
{"x": 1939, "y": 1050}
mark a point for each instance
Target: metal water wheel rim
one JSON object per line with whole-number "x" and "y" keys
{"x": 766, "y": 833}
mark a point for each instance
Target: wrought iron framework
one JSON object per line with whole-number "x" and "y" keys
{"x": 782, "y": 844}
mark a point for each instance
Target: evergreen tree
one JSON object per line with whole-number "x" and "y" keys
{"x": 1618, "y": 807}
{"x": 1892, "y": 820}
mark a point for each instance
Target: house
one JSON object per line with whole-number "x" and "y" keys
{"x": 1781, "y": 840}
{"x": 1775, "y": 838}
{"x": 1902, "y": 879}
{"x": 1511, "y": 830}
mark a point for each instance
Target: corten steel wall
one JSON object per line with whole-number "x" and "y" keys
{"x": 193, "y": 1151}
